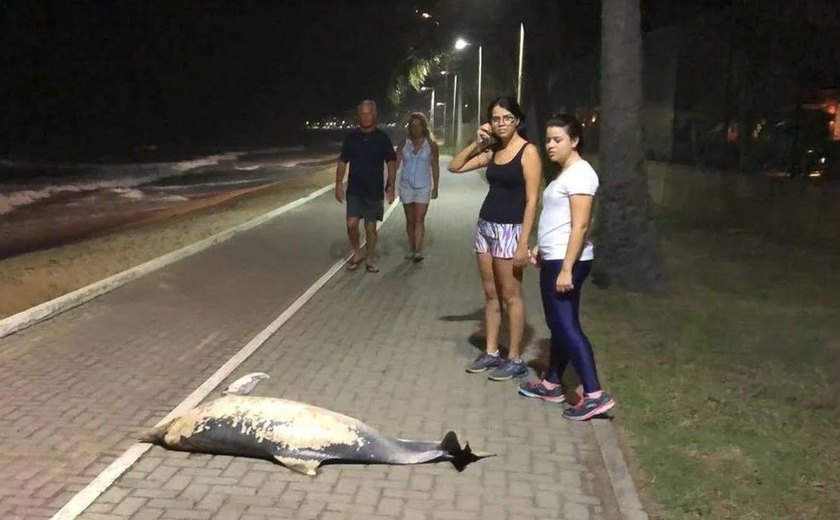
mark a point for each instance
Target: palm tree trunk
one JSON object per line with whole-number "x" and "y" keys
{"x": 629, "y": 255}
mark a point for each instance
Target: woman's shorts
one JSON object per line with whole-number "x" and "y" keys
{"x": 500, "y": 240}
{"x": 409, "y": 195}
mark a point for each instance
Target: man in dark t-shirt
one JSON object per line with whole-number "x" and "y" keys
{"x": 365, "y": 149}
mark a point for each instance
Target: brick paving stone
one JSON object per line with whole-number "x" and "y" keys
{"x": 576, "y": 511}
{"x": 148, "y": 514}
{"x": 128, "y": 506}
{"x": 187, "y": 514}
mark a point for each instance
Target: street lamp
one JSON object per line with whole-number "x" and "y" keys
{"x": 461, "y": 44}
{"x": 454, "y": 105}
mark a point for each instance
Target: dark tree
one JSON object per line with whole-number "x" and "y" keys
{"x": 629, "y": 253}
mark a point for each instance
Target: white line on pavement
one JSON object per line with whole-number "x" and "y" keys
{"x": 84, "y": 498}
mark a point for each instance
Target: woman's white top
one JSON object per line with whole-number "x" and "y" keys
{"x": 556, "y": 219}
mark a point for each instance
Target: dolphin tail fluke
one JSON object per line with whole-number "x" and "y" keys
{"x": 245, "y": 384}
{"x": 461, "y": 456}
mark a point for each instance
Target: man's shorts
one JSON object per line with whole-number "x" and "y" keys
{"x": 409, "y": 195}
{"x": 500, "y": 240}
{"x": 363, "y": 207}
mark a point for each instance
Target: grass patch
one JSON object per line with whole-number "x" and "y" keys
{"x": 728, "y": 384}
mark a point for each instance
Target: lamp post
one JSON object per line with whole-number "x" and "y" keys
{"x": 461, "y": 44}
{"x": 478, "y": 96}
{"x": 443, "y": 126}
{"x": 455, "y": 110}
{"x": 431, "y": 107}
{"x": 521, "y": 54}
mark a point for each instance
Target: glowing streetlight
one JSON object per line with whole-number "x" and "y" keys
{"x": 461, "y": 44}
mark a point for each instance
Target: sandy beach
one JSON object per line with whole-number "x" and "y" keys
{"x": 39, "y": 276}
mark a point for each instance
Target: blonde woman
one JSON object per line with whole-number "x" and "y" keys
{"x": 419, "y": 171}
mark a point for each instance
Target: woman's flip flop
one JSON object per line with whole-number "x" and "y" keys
{"x": 352, "y": 265}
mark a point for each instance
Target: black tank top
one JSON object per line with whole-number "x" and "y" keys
{"x": 505, "y": 202}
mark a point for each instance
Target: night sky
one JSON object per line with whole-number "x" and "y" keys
{"x": 108, "y": 75}
{"x": 114, "y": 73}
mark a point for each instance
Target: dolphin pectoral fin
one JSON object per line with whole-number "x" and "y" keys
{"x": 305, "y": 466}
{"x": 157, "y": 434}
{"x": 245, "y": 384}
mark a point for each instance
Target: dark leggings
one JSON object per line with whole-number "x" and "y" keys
{"x": 568, "y": 342}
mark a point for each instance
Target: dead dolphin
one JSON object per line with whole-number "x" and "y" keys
{"x": 297, "y": 435}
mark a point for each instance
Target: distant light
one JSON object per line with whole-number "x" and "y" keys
{"x": 815, "y": 174}
{"x": 460, "y": 44}
{"x": 822, "y": 160}
{"x": 466, "y": 106}
{"x": 810, "y": 151}
{"x": 594, "y": 118}
{"x": 426, "y": 15}
{"x": 444, "y": 72}
{"x": 440, "y": 103}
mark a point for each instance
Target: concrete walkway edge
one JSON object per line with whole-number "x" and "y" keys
{"x": 629, "y": 505}
{"x": 58, "y": 305}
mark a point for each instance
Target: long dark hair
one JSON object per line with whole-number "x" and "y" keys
{"x": 570, "y": 124}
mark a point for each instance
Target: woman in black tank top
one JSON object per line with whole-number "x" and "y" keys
{"x": 514, "y": 172}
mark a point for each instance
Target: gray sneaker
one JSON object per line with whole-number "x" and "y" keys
{"x": 589, "y": 407}
{"x": 484, "y": 362}
{"x": 508, "y": 370}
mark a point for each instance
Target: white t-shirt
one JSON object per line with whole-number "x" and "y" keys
{"x": 556, "y": 218}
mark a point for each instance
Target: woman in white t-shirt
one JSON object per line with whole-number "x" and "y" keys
{"x": 564, "y": 255}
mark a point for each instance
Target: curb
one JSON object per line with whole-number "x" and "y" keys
{"x": 629, "y": 505}
{"x": 58, "y": 305}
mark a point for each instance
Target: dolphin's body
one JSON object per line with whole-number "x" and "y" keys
{"x": 298, "y": 436}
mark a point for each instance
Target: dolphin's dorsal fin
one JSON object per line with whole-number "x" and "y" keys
{"x": 305, "y": 466}
{"x": 245, "y": 384}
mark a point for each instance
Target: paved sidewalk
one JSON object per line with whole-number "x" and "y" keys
{"x": 78, "y": 388}
{"x": 388, "y": 349}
